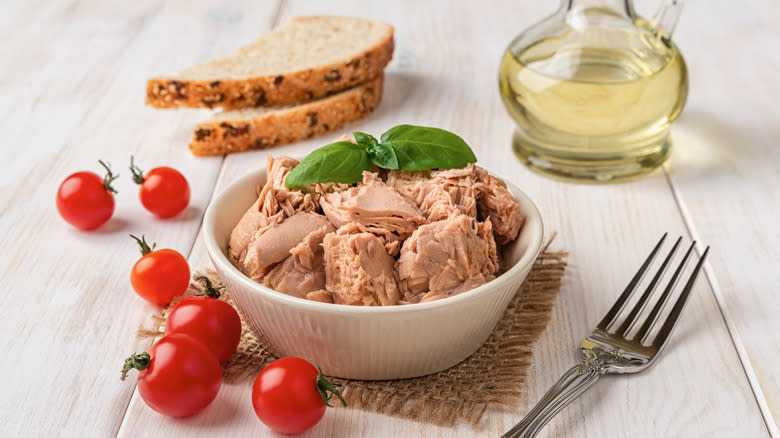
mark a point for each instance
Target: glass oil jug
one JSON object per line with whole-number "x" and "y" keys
{"x": 594, "y": 89}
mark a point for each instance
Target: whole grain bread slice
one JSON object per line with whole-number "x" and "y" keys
{"x": 262, "y": 127}
{"x": 309, "y": 57}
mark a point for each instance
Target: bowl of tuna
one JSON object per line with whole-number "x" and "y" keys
{"x": 402, "y": 274}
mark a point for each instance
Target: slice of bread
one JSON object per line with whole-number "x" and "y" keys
{"x": 307, "y": 58}
{"x": 262, "y": 127}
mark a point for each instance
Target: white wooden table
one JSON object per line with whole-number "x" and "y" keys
{"x": 72, "y": 77}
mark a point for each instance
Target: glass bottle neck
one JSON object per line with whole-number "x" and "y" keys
{"x": 622, "y": 7}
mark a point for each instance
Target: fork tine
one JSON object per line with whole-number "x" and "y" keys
{"x": 621, "y": 301}
{"x": 650, "y": 320}
{"x": 640, "y": 304}
{"x": 674, "y": 315}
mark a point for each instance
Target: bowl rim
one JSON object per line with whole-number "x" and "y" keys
{"x": 224, "y": 265}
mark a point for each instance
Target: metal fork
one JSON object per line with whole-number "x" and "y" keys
{"x": 614, "y": 351}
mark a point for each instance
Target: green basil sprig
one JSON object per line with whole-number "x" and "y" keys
{"x": 403, "y": 147}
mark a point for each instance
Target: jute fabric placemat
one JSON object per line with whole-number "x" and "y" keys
{"x": 494, "y": 376}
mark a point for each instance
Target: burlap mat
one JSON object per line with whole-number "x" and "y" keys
{"x": 494, "y": 376}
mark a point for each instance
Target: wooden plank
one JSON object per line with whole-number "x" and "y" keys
{"x": 726, "y": 175}
{"x": 75, "y": 94}
{"x": 444, "y": 74}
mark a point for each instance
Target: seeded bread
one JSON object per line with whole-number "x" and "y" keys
{"x": 259, "y": 128}
{"x": 309, "y": 57}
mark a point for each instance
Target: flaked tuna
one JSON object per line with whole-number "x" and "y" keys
{"x": 321, "y": 295}
{"x": 244, "y": 232}
{"x": 375, "y": 206}
{"x": 303, "y": 271}
{"x": 461, "y": 185}
{"x": 412, "y": 185}
{"x": 275, "y": 202}
{"x": 442, "y": 226}
{"x": 434, "y": 202}
{"x": 441, "y": 193}
{"x": 469, "y": 190}
{"x": 358, "y": 270}
{"x": 496, "y": 202}
{"x": 273, "y": 243}
{"x": 445, "y": 258}
{"x": 276, "y": 198}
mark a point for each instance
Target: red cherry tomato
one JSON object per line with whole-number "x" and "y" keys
{"x": 85, "y": 200}
{"x": 207, "y": 319}
{"x": 290, "y": 395}
{"x": 159, "y": 276}
{"x": 179, "y": 376}
{"x": 164, "y": 191}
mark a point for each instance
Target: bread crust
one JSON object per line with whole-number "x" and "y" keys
{"x": 163, "y": 92}
{"x": 217, "y": 137}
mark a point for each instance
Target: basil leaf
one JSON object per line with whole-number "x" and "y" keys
{"x": 384, "y": 156}
{"x": 421, "y": 148}
{"x": 381, "y": 155}
{"x": 366, "y": 140}
{"x": 341, "y": 162}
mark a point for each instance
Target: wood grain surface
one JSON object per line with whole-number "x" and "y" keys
{"x": 72, "y": 77}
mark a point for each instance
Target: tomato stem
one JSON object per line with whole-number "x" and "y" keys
{"x": 143, "y": 245}
{"x": 138, "y": 174}
{"x": 109, "y": 178}
{"x": 138, "y": 361}
{"x": 208, "y": 288}
{"x": 328, "y": 389}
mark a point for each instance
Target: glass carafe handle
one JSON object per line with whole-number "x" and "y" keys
{"x": 666, "y": 18}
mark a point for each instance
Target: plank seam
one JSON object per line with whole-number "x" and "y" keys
{"x": 736, "y": 340}
{"x": 189, "y": 255}
{"x": 278, "y": 14}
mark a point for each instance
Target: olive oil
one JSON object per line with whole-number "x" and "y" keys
{"x": 594, "y": 113}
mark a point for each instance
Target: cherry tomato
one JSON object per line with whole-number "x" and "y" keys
{"x": 290, "y": 395}
{"x": 85, "y": 200}
{"x": 159, "y": 276}
{"x": 178, "y": 377}
{"x": 208, "y": 319}
{"x": 164, "y": 191}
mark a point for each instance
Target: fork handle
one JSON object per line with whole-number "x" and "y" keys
{"x": 573, "y": 383}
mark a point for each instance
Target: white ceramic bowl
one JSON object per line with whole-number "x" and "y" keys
{"x": 372, "y": 343}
